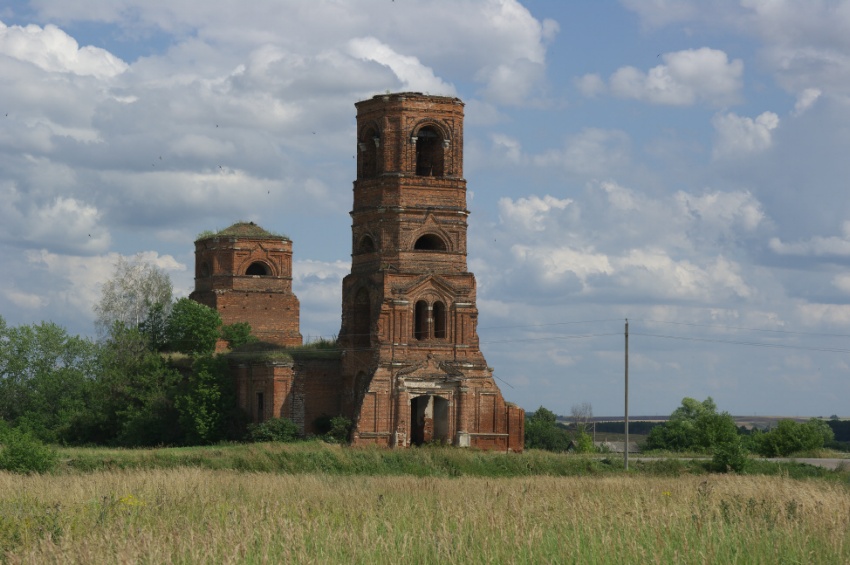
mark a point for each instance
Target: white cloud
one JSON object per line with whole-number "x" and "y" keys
{"x": 803, "y": 43}
{"x": 739, "y": 136}
{"x": 77, "y": 280}
{"x": 66, "y": 219}
{"x": 592, "y": 152}
{"x": 551, "y": 263}
{"x": 818, "y": 246}
{"x": 318, "y": 286}
{"x": 619, "y": 197}
{"x": 511, "y": 83}
{"x": 722, "y": 210}
{"x": 530, "y": 213}
{"x": 591, "y": 85}
{"x": 411, "y": 73}
{"x": 685, "y": 78}
{"x": 654, "y": 272}
{"x": 813, "y": 315}
{"x": 53, "y": 50}
{"x": 26, "y": 300}
{"x": 842, "y": 282}
{"x": 507, "y": 148}
{"x": 59, "y": 223}
{"x": 624, "y": 242}
{"x": 805, "y": 100}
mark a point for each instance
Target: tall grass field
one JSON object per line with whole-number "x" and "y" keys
{"x": 192, "y": 513}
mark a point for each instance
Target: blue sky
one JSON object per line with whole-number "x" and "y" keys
{"x": 681, "y": 164}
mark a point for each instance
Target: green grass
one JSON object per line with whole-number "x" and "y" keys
{"x": 317, "y": 457}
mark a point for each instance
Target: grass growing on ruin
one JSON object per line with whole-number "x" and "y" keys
{"x": 262, "y": 352}
{"x": 194, "y": 515}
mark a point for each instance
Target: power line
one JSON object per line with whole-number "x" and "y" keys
{"x": 748, "y": 343}
{"x": 548, "y": 325}
{"x": 567, "y": 336}
{"x": 694, "y": 324}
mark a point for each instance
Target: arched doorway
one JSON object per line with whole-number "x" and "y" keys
{"x": 429, "y": 419}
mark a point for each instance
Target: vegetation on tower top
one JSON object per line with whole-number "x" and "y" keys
{"x": 242, "y": 229}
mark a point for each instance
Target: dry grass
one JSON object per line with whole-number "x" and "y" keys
{"x": 191, "y": 515}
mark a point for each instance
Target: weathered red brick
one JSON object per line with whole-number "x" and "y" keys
{"x": 409, "y": 369}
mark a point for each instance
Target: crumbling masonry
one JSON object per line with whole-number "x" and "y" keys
{"x": 408, "y": 369}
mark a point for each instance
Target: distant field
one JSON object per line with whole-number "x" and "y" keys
{"x": 195, "y": 515}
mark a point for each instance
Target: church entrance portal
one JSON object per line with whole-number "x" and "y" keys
{"x": 429, "y": 419}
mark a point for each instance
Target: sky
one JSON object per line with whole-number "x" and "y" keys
{"x": 680, "y": 164}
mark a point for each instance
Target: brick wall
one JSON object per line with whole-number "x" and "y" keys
{"x": 224, "y": 281}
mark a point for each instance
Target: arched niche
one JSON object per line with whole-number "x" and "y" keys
{"x": 361, "y": 322}
{"x": 438, "y": 315}
{"x": 366, "y": 245}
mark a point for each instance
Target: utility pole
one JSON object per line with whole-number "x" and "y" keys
{"x": 626, "y": 446}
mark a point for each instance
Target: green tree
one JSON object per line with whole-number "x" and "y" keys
{"x": 193, "y": 328}
{"x": 132, "y": 401}
{"x": 135, "y": 289}
{"x": 237, "y": 334}
{"x": 153, "y": 327}
{"x": 45, "y": 379}
{"x": 208, "y": 411}
{"x": 542, "y": 431}
{"x": 790, "y": 437}
{"x": 694, "y": 426}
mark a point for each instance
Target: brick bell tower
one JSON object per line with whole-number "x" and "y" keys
{"x": 245, "y": 272}
{"x": 412, "y": 368}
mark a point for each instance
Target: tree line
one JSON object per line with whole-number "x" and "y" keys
{"x": 694, "y": 427}
{"x": 150, "y": 378}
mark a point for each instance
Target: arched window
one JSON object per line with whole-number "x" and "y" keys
{"x": 258, "y": 268}
{"x": 429, "y": 152}
{"x": 366, "y": 245}
{"x": 420, "y": 320}
{"x": 368, "y": 147}
{"x": 430, "y": 242}
{"x": 204, "y": 270}
{"x": 438, "y": 314}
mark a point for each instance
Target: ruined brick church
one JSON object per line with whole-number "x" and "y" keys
{"x": 407, "y": 368}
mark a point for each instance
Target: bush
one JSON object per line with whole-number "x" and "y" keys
{"x": 237, "y": 335}
{"x": 334, "y": 430}
{"x": 694, "y": 426}
{"x": 542, "y": 431}
{"x": 277, "y": 429}
{"x": 22, "y": 453}
{"x": 729, "y": 455}
{"x": 584, "y": 443}
{"x": 789, "y": 437}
